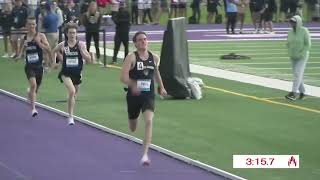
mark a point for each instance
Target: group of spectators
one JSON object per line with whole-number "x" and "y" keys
{"x": 51, "y": 18}
{"x": 52, "y": 15}
{"x": 263, "y": 12}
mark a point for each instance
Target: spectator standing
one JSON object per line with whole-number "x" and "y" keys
{"x": 256, "y": 8}
{"x": 56, "y": 9}
{"x": 298, "y": 44}
{"x": 83, "y": 9}
{"x": 242, "y": 6}
{"x": 156, "y": 10}
{"x": 164, "y": 8}
{"x": 173, "y": 8}
{"x": 92, "y": 23}
{"x": 284, "y": 9}
{"x": 147, "y": 11}
{"x": 50, "y": 24}
{"x": 6, "y": 21}
{"x": 196, "y": 12}
{"x": 20, "y": 14}
{"x": 134, "y": 12}
{"x": 269, "y": 8}
{"x": 231, "y": 13}
{"x": 182, "y": 8}
{"x": 70, "y": 15}
{"x": 311, "y": 4}
{"x": 212, "y": 9}
{"x": 122, "y": 21}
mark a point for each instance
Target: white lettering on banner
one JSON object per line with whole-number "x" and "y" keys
{"x": 144, "y": 84}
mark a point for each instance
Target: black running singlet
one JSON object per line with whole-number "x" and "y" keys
{"x": 72, "y": 59}
{"x": 143, "y": 73}
{"x": 33, "y": 53}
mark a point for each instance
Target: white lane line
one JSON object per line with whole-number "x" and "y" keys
{"x": 256, "y": 46}
{"x": 286, "y": 74}
{"x": 262, "y": 63}
{"x": 251, "y": 54}
{"x": 17, "y": 173}
{"x": 279, "y": 68}
{"x": 251, "y": 79}
{"x": 242, "y": 77}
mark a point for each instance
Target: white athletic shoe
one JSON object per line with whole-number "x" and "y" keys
{"x": 13, "y": 55}
{"x": 145, "y": 161}
{"x": 34, "y": 113}
{"x": 70, "y": 121}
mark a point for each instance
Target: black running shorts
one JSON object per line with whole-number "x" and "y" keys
{"x": 34, "y": 71}
{"x": 75, "y": 77}
{"x": 135, "y": 104}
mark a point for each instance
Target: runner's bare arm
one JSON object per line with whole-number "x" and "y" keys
{"x": 85, "y": 54}
{"x": 44, "y": 44}
{"x": 57, "y": 52}
{"x": 162, "y": 91}
{"x": 42, "y": 41}
{"x": 126, "y": 67}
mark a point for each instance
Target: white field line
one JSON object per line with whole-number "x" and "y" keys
{"x": 279, "y": 68}
{"x": 277, "y": 32}
{"x": 261, "y": 63}
{"x": 253, "y": 54}
{"x": 274, "y": 58}
{"x": 240, "y": 77}
{"x": 218, "y": 40}
{"x": 251, "y": 79}
{"x": 287, "y": 74}
{"x": 241, "y": 50}
{"x": 311, "y": 29}
{"x": 245, "y": 29}
{"x": 230, "y": 40}
{"x": 256, "y": 46}
{"x": 111, "y": 33}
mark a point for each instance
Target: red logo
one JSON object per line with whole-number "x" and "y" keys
{"x": 292, "y": 161}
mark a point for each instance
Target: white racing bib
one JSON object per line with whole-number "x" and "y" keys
{"x": 72, "y": 61}
{"x": 144, "y": 84}
{"x": 32, "y": 58}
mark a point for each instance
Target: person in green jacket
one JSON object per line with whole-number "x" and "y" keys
{"x": 298, "y": 44}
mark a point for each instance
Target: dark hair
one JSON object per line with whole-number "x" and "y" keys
{"x": 31, "y": 18}
{"x": 70, "y": 25}
{"x": 134, "y": 39}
